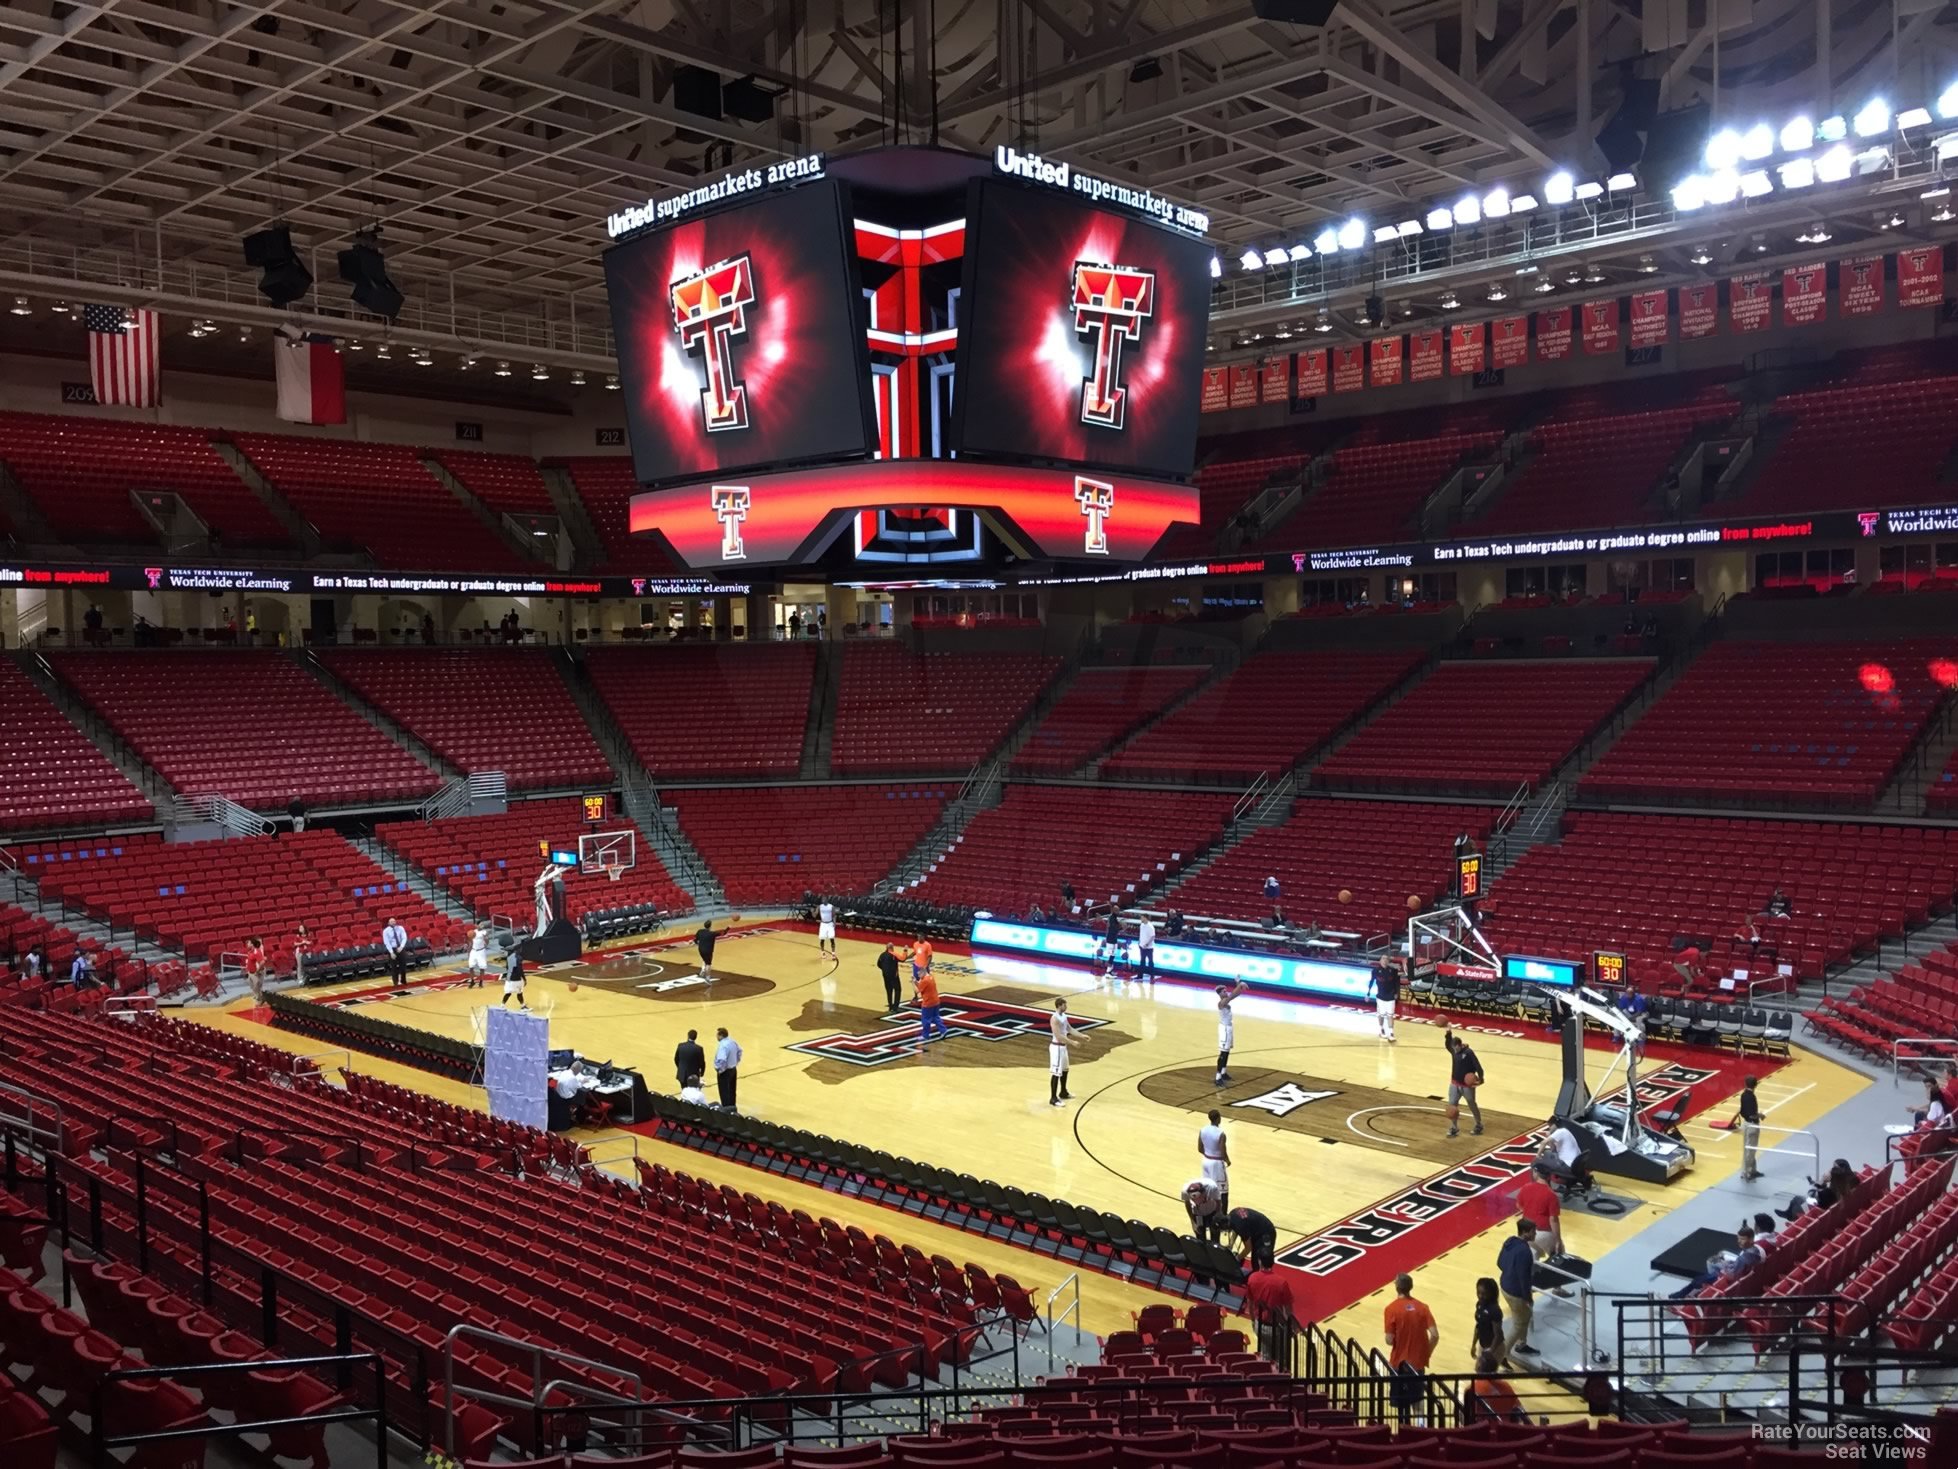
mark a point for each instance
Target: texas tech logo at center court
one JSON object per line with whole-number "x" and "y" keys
{"x": 964, "y": 1017}
{"x": 710, "y": 309}
{"x": 1111, "y": 302}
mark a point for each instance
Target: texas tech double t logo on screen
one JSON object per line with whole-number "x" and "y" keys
{"x": 710, "y": 309}
{"x": 1111, "y": 302}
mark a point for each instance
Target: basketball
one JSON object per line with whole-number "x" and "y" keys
{"x": 1345, "y": 895}
{"x": 1413, "y": 904}
{"x": 572, "y": 985}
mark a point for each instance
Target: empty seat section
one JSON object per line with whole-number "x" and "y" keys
{"x": 1109, "y": 843}
{"x": 1637, "y": 883}
{"x": 1382, "y": 853}
{"x": 1099, "y": 708}
{"x": 1853, "y": 447}
{"x": 1485, "y": 728}
{"x": 1808, "y": 724}
{"x": 487, "y": 863}
{"x": 693, "y": 711}
{"x": 381, "y": 499}
{"x": 606, "y": 484}
{"x": 51, "y": 774}
{"x": 255, "y": 727}
{"x": 1375, "y": 491}
{"x": 1599, "y": 471}
{"x": 209, "y": 897}
{"x": 81, "y": 473}
{"x": 1224, "y": 487}
{"x": 901, "y": 711}
{"x": 505, "y": 482}
{"x": 494, "y": 709}
{"x": 1264, "y": 717}
{"x": 772, "y": 844}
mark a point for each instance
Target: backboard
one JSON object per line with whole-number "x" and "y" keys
{"x": 611, "y": 853}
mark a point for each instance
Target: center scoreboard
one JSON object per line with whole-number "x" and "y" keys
{"x": 910, "y": 357}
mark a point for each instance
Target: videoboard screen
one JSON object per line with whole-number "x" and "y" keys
{"x": 739, "y": 338}
{"x": 1084, "y": 339}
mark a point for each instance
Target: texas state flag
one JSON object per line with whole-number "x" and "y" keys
{"x": 312, "y": 380}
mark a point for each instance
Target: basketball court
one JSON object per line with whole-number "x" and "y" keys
{"x": 1335, "y": 1134}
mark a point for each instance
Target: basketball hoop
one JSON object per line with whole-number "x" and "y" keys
{"x": 613, "y": 870}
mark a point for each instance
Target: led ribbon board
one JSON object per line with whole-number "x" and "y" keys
{"x": 1323, "y": 978}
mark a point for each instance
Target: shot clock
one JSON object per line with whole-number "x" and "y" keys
{"x": 1607, "y": 969}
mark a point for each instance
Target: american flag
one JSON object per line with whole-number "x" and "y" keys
{"x": 122, "y": 355}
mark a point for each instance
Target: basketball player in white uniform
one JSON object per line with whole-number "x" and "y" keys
{"x": 1226, "y": 1029}
{"x": 1060, "y": 1041}
{"x": 826, "y": 927}
{"x": 1216, "y": 1156}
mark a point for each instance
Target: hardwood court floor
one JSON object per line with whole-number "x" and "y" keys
{"x": 1341, "y": 1121}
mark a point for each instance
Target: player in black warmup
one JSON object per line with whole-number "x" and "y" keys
{"x": 1386, "y": 994}
{"x": 887, "y": 965}
{"x": 1255, "y": 1234}
{"x": 1464, "y": 1076}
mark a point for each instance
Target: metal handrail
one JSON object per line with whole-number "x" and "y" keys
{"x": 1518, "y": 799}
{"x": 100, "y": 1441}
{"x": 1073, "y": 1309}
{"x": 51, "y": 1141}
{"x": 1249, "y": 797}
{"x": 1897, "y": 1056}
{"x": 538, "y": 1352}
{"x": 298, "y": 1068}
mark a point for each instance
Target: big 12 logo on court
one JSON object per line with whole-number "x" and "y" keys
{"x": 1111, "y": 303}
{"x": 710, "y": 309}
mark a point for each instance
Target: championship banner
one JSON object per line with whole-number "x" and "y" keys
{"x": 1650, "y": 324}
{"x": 1511, "y": 342}
{"x": 1749, "y": 299}
{"x": 1349, "y": 368}
{"x": 1384, "y": 355}
{"x": 1553, "y": 334}
{"x": 1216, "y": 390}
{"x": 1699, "y": 310}
{"x": 1920, "y": 277}
{"x": 1859, "y": 285}
{"x": 1601, "y": 326}
{"x": 1465, "y": 347}
{"x": 1244, "y": 385}
{"x": 1275, "y": 379}
{"x": 1804, "y": 294}
{"x": 1424, "y": 357}
{"x": 1312, "y": 373}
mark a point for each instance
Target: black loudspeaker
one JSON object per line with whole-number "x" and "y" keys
{"x": 1295, "y": 12}
{"x": 363, "y": 268}
{"x": 697, "y": 90}
{"x": 285, "y": 277}
{"x": 745, "y": 101}
{"x": 1376, "y": 309}
{"x": 1622, "y": 140}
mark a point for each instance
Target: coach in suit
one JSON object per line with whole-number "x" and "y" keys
{"x": 689, "y": 1060}
{"x": 394, "y": 938}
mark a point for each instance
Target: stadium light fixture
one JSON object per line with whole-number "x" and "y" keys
{"x": 1353, "y": 234}
{"x": 540, "y": 373}
{"x": 20, "y": 307}
{"x": 1621, "y": 183}
{"x": 1326, "y": 242}
{"x": 1324, "y": 322}
{"x": 1834, "y": 165}
{"x": 1647, "y": 265}
{"x": 1594, "y": 274}
{"x": 1701, "y": 255}
{"x": 1544, "y": 286}
{"x": 1797, "y": 173}
{"x": 1872, "y": 118}
{"x": 1940, "y": 192}
{"x": 1497, "y": 292}
{"x": 1216, "y": 268}
{"x": 1467, "y": 210}
{"x": 1251, "y": 260}
{"x": 1408, "y": 228}
{"x": 1689, "y": 193}
{"x": 1522, "y": 203}
{"x": 1944, "y": 213}
{"x": 1815, "y": 234}
{"x": 1946, "y": 146}
{"x": 1450, "y": 302}
{"x": 1589, "y": 189}
{"x": 1757, "y": 142}
{"x": 611, "y": 382}
{"x": 1832, "y": 129}
{"x": 1495, "y": 204}
{"x": 1797, "y": 135}
{"x": 1300, "y": 251}
{"x": 1722, "y": 150}
{"x": 1559, "y": 188}
{"x": 1276, "y": 257}
{"x": 1948, "y": 101}
{"x": 1722, "y": 186}
{"x": 1754, "y": 183}
{"x": 1440, "y": 219}
{"x": 1873, "y": 160}
{"x": 502, "y": 369}
{"x": 1385, "y": 234}
{"x": 1914, "y": 117}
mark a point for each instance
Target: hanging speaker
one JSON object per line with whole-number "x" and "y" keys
{"x": 1622, "y": 140}
{"x": 1295, "y": 12}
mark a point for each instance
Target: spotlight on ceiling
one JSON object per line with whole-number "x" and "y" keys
{"x": 1544, "y": 286}
{"x": 1593, "y": 274}
{"x": 1440, "y": 219}
{"x": 1647, "y": 265}
{"x": 1872, "y": 118}
{"x": 1797, "y": 173}
{"x": 502, "y": 369}
{"x": 1497, "y": 292}
{"x": 1797, "y": 135}
{"x": 1216, "y": 267}
{"x": 1326, "y": 242}
{"x": 1560, "y": 188}
{"x": 1700, "y": 255}
{"x": 1352, "y": 234}
{"x": 1299, "y": 252}
{"x": 1250, "y": 260}
{"x": 1450, "y": 302}
{"x": 1834, "y": 165}
{"x": 283, "y": 277}
{"x": 539, "y": 373}
{"x": 611, "y": 382}
{"x": 363, "y": 267}
{"x": 1276, "y": 257}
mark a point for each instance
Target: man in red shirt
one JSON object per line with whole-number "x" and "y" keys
{"x": 1411, "y": 1338}
{"x": 1537, "y": 1202}
{"x": 1268, "y": 1302}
